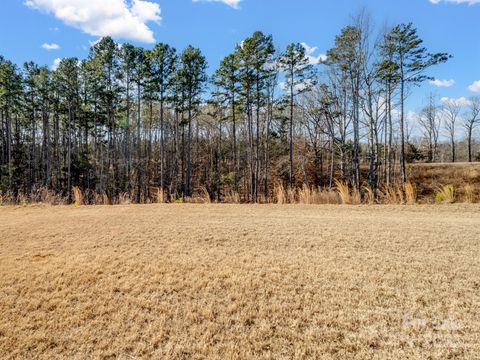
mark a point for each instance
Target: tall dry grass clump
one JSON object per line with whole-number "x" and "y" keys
{"x": 394, "y": 195}
{"x": 306, "y": 195}
{"x": 356, "y": 197}
{"x": 105, "y": 200}
{"x": 328, "y": 196}
{"x": 232, "y": 197}
{"x": 77, "y": 196}
{"x": 410, "y": 193}
{"x": 445, "y": 194}
{"x": 291, "y": 195}
{"x": 343, "y": 191}
{"x": 347, "y": 196}
{"x": 206, "y": 196}
{"x": 368, "y": 195}
{"x": 280, "y": 193}
{"x": 469, "y": 193}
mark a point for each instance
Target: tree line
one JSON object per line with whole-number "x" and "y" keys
{"x": 141, "y": 122}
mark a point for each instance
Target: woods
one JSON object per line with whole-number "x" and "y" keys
{"x": 159, "y": 123}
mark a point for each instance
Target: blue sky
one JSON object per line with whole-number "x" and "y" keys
{"x": 66, "y": 28}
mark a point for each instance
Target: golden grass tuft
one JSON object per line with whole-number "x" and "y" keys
{"x": 280, "y": 194}
{"x": 305, "y": 195}
{"x": 410, "y": 193}
{"x": 344, "y": 192}
{"x": 395, "y": 195}
{"x": 105, "y": 200}
{"x": 206, "y": 196}
{"x": 77, "y": 196}
{"x": 445, "y": 194}
{"x": 368, "y": 195}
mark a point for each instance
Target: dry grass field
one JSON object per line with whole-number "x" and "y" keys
{"x": 240, "y": 282}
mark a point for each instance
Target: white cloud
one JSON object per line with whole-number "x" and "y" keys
{"x": 412, "y": 117}
{"x": 310, "y": 50}
{"x": 475, "y": 87}
{"x": 56, "y": 63}
{"x": 116, "y": 18}
{"x": 54, "y": 28}
{"x": 51, "y": 46}
{"x": 232, "y": 3}
{"x": 461, "y": 101}
{"x": 283, "y": 85}
{"x": 442, "y": 83}
{"x": 469, "y": 2}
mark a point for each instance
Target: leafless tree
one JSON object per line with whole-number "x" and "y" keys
{"x": 472, "y": 119}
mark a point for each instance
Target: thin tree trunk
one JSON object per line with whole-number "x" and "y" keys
{"x": 189, "y": 151}
{"x": 290, "y": 135}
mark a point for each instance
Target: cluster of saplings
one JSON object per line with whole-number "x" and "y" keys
{"x": 138, "y": 123}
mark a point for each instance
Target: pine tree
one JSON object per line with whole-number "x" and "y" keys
{"x": 300, "y": 77}
{"x": 164, "y": 65}
{"x": 410, "y": 60}
{"x": 227, "y": 80}
{"x": 192, "y": 78}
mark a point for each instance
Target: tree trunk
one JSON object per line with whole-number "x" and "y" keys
{"x": 162, "y": 144}
{"x": 402, "y": 133}
{"x": 139, "y": 147}
{"x": 470, "y": 144}
{"x": 291, "y": 176}
{"x": 189, "y": 151}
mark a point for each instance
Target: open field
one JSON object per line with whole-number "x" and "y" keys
{"x": 240, "y": 282}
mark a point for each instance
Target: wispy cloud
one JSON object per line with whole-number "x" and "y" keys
{"x": 469, "y": 2}
{"x": 51, "y": 46}
{"x": 232, "y": 3}
{"x": 461, "y": 101}
{"x": 116, "y": 18}
{"x": 442, "y": 83}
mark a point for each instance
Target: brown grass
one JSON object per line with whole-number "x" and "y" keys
{"x": 239, "y": 282}
{"x": 206, "y": 196}
{"x": 429, "y": 177}
{"x": 344, "y": 192}
{"x": 410, "y": 193}
{"x": 469, "y": 193}
{"x": 77, "y": 196}
{"x": 280, "y": 194}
